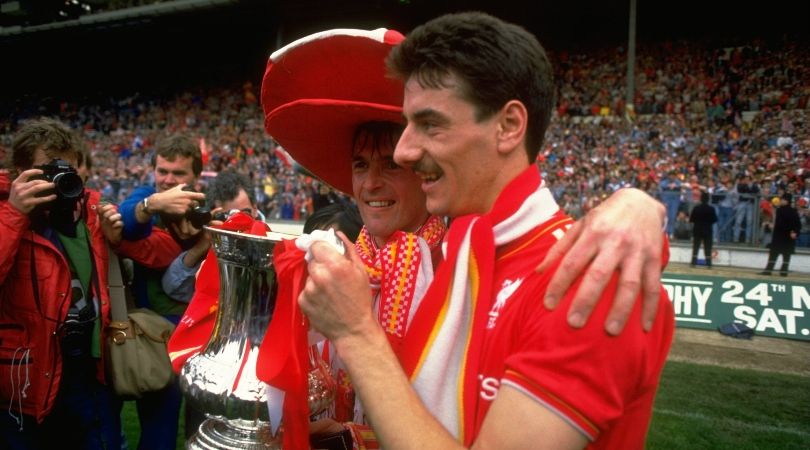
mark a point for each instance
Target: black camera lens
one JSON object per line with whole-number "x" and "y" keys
{"x": 68, "y": 184}
{"x": 199, "y": 216}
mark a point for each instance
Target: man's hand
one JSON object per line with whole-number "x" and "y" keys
{"x": 624, "y": 233}
{"x": 24, "y": 192}
{"x": 175, "y": 201}
{"x": 111, "y": 224}
{"x": 337, "y": 297}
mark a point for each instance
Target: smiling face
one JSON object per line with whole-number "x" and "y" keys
{"x": 170, "y": 173}
{"x": 455, "y": 155}
{"x": 387, "y": 195}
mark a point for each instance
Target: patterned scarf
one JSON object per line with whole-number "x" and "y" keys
{"x": 440, "y": 352}
{"x": 401, "y": 271}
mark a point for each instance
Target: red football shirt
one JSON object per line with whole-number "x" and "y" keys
{"x": 603, "y": 386}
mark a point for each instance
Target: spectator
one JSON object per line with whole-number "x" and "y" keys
{"x": 748, "y": 192}
{"x": 682, "y": 229}
{"x": 786, "y": 228}
{"x": 804, "y": 217}
{"x": 703, "y": 217}
{"x": 721, "y": 200}
{"x": 670, "y": 195}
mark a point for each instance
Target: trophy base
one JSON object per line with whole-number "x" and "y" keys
{"x": 218, "y": 434}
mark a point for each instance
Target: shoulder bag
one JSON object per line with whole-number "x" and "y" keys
{"x": 137, "y": 359}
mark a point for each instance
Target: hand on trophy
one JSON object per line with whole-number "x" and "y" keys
{"x": 337, "y": 299}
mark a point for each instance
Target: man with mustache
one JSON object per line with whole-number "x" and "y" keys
{"x": 482, "y": 362}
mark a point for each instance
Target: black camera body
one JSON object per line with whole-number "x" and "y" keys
{"x": 200, "y": 215}
{"x": 68, "y": 185}
{"x": 222, "y": 216}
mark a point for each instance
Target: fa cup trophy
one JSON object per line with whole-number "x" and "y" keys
{"x": 221, "y": 380}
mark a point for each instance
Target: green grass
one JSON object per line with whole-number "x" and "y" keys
{"x": 132, "y": 429}
{"x": 698, "y": 407}
{"x": 708, "y": 407}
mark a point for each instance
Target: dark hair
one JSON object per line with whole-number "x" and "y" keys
{"x": 178, "y": 145}
{"x": 344, "y": 216}
{"x": 377, "y": 135}
{"x": 52, "y": 136}
{"x": 226, "y": 186}
{"x": 494, "y": 61}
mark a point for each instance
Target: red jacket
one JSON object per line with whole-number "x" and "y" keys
{"x": 30, "y": 353}
{"x": 156, "y": 251}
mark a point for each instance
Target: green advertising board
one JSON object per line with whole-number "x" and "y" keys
{"x": 778, "y": 308}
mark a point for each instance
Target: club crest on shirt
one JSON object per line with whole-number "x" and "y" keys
{"x": 507, "y": 289}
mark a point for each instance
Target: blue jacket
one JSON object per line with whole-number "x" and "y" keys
{"x": 134, "y": 230}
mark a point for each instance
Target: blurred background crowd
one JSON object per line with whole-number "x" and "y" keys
{"x": 724, "y": 117}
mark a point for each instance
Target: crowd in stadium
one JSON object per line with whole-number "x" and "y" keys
{"x": 703, "y": 115}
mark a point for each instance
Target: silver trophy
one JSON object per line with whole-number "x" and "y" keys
{"x": 221, "y": 380}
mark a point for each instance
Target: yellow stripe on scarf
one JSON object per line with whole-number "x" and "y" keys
{"x": 475, "y": 284}
{"x": 403, "y": 277}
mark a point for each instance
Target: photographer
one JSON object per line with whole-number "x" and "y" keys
{"x": 228, "y": 192}
{"x": 149, "y": 210}
{"x": 54, "y": 305}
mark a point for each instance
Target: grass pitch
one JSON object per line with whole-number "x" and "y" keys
{"x": 710, "y": 407}
{"x": 697, "y": 407}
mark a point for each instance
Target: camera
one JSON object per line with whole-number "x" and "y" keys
{"x": 68, "y": 184}
{"x": 200, "y": 215}
{"x": 222, "y": 216}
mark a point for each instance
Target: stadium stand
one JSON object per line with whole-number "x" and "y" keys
{"x": 708, "y": 111}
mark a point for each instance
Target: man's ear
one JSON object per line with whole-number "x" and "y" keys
{"x": 512, "y": 122}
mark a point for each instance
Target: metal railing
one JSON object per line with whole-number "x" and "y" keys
{"x": 740, "y": 219}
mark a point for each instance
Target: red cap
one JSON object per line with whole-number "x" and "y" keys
{"x": 318, "y": 89}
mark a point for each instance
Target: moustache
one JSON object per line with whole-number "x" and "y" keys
{"x": 425, "y": 165}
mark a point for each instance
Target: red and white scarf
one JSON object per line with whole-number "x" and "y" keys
{"x": 440, "y": 352}
{"x": 401, "y": 271}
